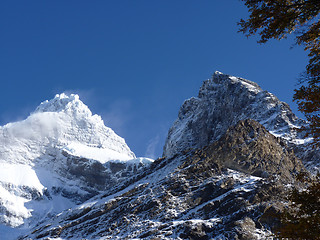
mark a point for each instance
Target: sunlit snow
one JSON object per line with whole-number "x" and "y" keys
{"x": 31, "y": 159}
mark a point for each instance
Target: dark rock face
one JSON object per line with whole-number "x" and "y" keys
{"x": 93, "y": 176}
{"x": 220, "y": 191}
{"x": 91, "y": 172}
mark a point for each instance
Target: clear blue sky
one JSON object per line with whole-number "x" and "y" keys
{"x": 132, "y": 62}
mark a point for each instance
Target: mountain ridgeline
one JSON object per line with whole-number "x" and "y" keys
{"x": 229, "y": 159}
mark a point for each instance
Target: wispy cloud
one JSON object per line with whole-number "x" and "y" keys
{"x": 152, "y": 147}
{"x": 117, "y": 115}
{"x": 17, "y": 114}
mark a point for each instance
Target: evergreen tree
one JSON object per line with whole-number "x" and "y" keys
{"x": 301, "y": 218}
{"x": 275, "y": 19}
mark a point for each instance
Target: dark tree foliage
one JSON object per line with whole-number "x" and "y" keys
{"x": 275, "y": 19}
{"x": 301, "y": 219}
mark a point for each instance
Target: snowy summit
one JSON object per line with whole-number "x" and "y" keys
{"x": 64, "y": 122}
{"x": 48, "y": 161}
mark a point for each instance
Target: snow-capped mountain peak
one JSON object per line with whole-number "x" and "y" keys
{"x": 61, "y": 153}
{"x": 65, "y": 120}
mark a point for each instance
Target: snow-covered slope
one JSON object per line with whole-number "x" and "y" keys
{"x": 221, "y": 103}
{"x": 60, "y": 155}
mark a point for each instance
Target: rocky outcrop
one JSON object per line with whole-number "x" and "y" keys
{"x": 93, "y": 177}
{"x": 248, "y": 147}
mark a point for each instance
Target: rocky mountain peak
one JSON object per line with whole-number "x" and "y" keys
{"x": 224, "y": 100}
{"x": 218, "y": 78}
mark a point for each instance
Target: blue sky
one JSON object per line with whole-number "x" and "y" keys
{"x": 132, "y": 62}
